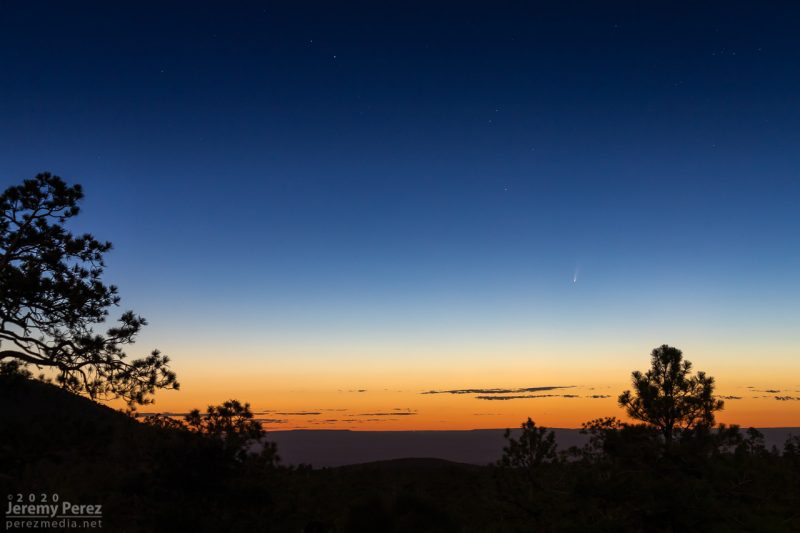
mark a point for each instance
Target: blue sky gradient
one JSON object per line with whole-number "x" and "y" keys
{"x": 397, "y": 174}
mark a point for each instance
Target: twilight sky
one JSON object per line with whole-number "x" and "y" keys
{"x": 308, "y": 200}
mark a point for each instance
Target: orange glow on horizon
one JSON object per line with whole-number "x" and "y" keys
{"x": 383, "y": 403}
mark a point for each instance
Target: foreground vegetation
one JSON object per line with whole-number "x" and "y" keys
{"x": 153, "y": 477}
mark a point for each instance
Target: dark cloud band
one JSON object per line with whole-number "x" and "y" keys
{"x": 499, "y": 391}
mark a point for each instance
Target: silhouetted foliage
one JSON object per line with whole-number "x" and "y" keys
{"x": 791, "y": 447}
{"x": 669, "y": 398}
{"x": 164, "y": 422}
{"x": 753, "y": 443}
{"x": 52, "y": 297}
{"x": 535, "y": 445}
{"x": 231, "y": 419}
{"x": 15, "y": 369}
{"x": 521, "y": 476}
{"x": 232, "y": 423}
{"x": 610, "y": 439}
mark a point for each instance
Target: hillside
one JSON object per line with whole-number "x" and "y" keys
{"x": 54, "y": 442}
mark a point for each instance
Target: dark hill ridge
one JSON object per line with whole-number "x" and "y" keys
{"x": 29, "y": 400}
{"x": 40, "y": 422}
{"x": 55, "y": 443}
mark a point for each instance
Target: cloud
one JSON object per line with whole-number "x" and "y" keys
{"x": 355, "y": 420}
{"x": 498, "y": 391}
{"x": 171, "y": 414}
{"x": 730, "y": 397}
{"x": 165, "y": 413}
{"x": 271, "y": 420}
{"x": 395, "y": 413}
{"x": 787, "y": 398}
{"x": 300, "y": 413}
{"x": 525, "y": 396}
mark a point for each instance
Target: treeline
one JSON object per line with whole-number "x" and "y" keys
{"x": 671, "y": 469}
{"x": 625, "y": 479}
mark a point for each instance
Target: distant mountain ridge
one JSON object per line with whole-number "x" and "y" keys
{"x": 332, "y": 448}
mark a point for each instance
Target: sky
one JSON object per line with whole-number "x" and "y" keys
{"x": 327, "y": 209}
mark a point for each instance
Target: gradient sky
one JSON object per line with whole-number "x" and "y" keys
{"x": 308, "y": 199}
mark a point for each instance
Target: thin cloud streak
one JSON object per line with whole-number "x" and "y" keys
{"x": 528, "y": 396}
{"x": 498, "y": 390}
